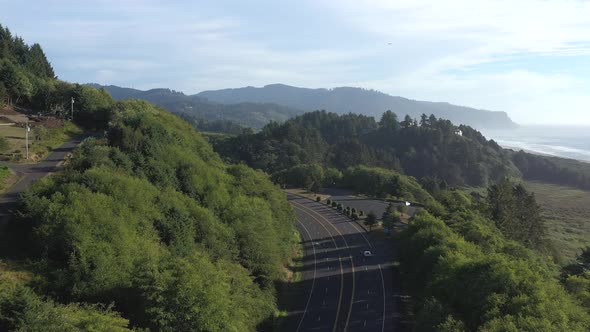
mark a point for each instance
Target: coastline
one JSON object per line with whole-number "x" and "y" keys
{"x": 567, "y": 142}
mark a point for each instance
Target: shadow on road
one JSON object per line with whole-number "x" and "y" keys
{"x": 293, "y": 296}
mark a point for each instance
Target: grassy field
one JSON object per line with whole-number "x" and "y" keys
{"x": 37, "y": 149}
{"x": 567, "y": 212}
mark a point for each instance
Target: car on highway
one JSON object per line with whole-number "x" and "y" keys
{"x": 367, "y": 253}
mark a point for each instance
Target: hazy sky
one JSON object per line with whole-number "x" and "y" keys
{"x": 529, "y": 58}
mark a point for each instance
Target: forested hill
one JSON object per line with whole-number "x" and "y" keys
{"x": 431, "y": 149}
{"x": 146, "y": 229}
{"x": 248, "y": 114}
{"x": 24, "y": 70}
{"x": 357, "y": 100}
{"x": 151, "y": 220}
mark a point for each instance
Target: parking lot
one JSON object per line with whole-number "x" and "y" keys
{"x": 363, "y": 204}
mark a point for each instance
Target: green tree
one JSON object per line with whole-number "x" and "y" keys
{"x": 37, "y": 62}
{"x": 4, "y": 145}
{"x": 424, "y": 120}
{"x": 23, "y": 310}
{"x": 402, "y": 208}
{"x": 15, "y": 81}
{"x": 371, "y": 220}
{"x": 516, "y": 213}
{"x": 391, "y": 217}
{"x": 40, "y": 133}
{"x": 389, "y": 121}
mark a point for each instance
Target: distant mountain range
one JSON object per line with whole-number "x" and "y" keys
{"x": 255, "y": 115}
{"x": 255, "y": 107}
{"x": 357, "y": 100}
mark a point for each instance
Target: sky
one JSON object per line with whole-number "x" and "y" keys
{"x": 529, "y": 58}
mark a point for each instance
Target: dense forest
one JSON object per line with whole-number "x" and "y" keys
{"x": 474, "y": 267}
{"x": 28, "y": 82}
{"x": 146, "y": 228}
{"x": 215, "y": 126}
{"x": 24, "y": 70}
{"x": 431, "y": 149}
{"x": 151, "y": 220}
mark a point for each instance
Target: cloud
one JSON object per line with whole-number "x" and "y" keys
{"x": 441, "y": 47}
{"x": 439, "y": 51}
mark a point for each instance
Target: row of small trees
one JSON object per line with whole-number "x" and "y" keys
{"x": 352, "y": 213}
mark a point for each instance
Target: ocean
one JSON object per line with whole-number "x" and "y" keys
{"x": 560, "y": 141}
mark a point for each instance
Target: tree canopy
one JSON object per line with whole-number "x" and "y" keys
{"x": 150, "y": 219}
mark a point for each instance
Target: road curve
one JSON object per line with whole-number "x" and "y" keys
{"x": 29, "y": 173}
{"x": 348, "y": 292}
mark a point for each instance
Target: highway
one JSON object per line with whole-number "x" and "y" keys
{"x": 346, "y": 291}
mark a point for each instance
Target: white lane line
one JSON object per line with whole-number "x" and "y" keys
{"x": 341, "y": 291}
{"x": 301, "y": 209}
{"x": 383, "y": 284}
{"x": 368, "y": 291}
{"x": 321, "y": 216}
{"x": 352, "y": 299}
{"x": 361, "y": 233}
{"x": 314, "y": 276}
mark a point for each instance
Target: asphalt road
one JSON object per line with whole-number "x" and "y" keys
{"x": 29, "y": 173}
{"x": 345, "y": 290}
{"x": 364, "y": 204}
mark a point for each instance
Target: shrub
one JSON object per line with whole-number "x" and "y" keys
{"x": 4, "y": 145}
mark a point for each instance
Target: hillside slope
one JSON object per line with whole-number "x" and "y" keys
{"x": 249, "y": 114}
{"x": 368, "y": 102}
{"x": 432, "y": 149}
{"x": 151, "y": 220}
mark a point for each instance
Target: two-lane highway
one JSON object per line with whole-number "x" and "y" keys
{"x": 348, "y": 291}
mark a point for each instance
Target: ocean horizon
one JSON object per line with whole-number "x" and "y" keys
{"x": 572, "y": 142}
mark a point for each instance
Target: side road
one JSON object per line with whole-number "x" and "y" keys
{"x": 29, "y": 173}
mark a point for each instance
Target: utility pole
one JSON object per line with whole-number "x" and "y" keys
{"x": 72, "y": 109}
{"x": 27, "y": 129}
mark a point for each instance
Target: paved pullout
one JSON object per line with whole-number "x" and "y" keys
{"x": 346, "y": 291}
{"x": 29, "y": 173}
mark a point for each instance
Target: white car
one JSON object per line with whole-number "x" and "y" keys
{"x": 367, "y": 253}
